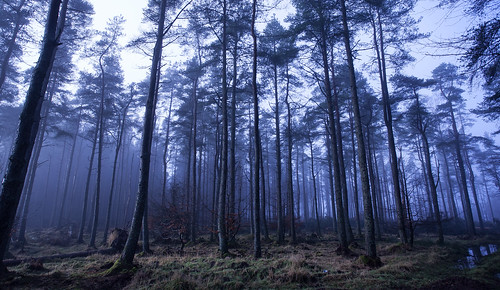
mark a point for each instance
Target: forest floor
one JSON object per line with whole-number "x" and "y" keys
{"x": 312, "y": 264}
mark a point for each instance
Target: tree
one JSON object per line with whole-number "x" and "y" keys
{"x": 391, "y": 18}
{"x": 28, "y": 126}
{"x": 109, "y": 76}
{"x": 221, "y": 205}
{"x": 419, "y": 118}
{"x": 446, "y": 79}
{"x": 15, "y": 15}
{"x": 257, "y": 145}
{"x": 365, "y": 186}
{"x": 127, "y": 255}
{"x": 122, "y": 107}
{"x": 315, "y": 20}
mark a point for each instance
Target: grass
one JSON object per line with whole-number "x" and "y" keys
{"x": 306, "y": 265}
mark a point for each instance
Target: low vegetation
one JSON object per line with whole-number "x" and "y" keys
{"x": 311, "y": 263}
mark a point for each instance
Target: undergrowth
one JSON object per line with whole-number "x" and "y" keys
{"x": 303, "y": 265}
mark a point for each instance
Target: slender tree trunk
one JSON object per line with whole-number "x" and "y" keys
{"x": 437, "y": 214}
{"x": 115, "y": 163}
{"x": 315, "y": 192}
{"x": 87, "y": 187}
{"x": 194, "y": 185}
{"x": 388, "y": 123}
{"x": 370, "y": 244}
{"x": 165, "y": 152}
{"x": 451, "y": 197}
{"x": 256, "y": 195}
{"x": 289, "y": 183}
{"x": 232, "y": 145}
{"x": 474, "y": 191}
{"x": 341, "y": 218}
{"x": 68, "y": 174}
{"x": 488, "y": 196}
{"x": 463, "y": 178}
{"x": 355, "y": 173}
{"x": 17, "y": 168}
{"x": 128, "y": 252}
{"x": 263, "y": 199}
{"x": 281, "y": 226}
{"x": 372, "y": 183}
{"x": 340, "y": 148}
{"x": 216, "y": 169}
{"x": 330, "y": 179}
{"x": 221, "y": 221}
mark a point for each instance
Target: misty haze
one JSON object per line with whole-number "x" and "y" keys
{"x": 195, "y": 144}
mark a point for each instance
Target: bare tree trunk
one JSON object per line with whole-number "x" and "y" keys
{"x": 115, "y": 163}
{"x": 194, "y": 185}
{"x": 281, "y": 226}
{"x": 315, "y": 191}
{"x": 289, "y": 183}
{"x": 87, "y": 187}
{"x": 380, "y": 49}
{"x": 221, "y": 220}
{"x": 128, "y": 252}
{"x": 21, "y": 239}
{"x": 355, "y": 173}
{"x": 341, "y": 218}
{"x": 370, "y": 245}
{"x": 17, "y": 168}
{"x": 463, "y": 178}
{"x": 474, "y": 191}
{"x": 256, "y": 195}
{"x": 263, "y": 199}
{"x": 68, "y": 174}
{"x": 165, "y": 152}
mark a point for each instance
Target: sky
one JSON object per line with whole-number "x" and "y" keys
{"x": 134, "y": 65}
{"x": 441, "y": 24}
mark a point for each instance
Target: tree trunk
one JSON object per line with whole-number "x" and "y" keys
{"x": 340, "y": 148}
{"x": 232, "y": 146}
{"x": 17, "y": 168}
{"x": 221, "y": 220}
{"x": 463, "y": 178}
{"x": 355, "y": 173}
{"x": 388, "y": 123}
{"x": 165, "y": 152}
{"x": 87, "y": 187}
{"x": 121, "y": 131}
{"x": 341, "y": 219}
{"x": 289, "y": 182}
{"x": 370, "y": 245}
{"x": 474, "y": 191}
{"x": 315, "y": 192}
{"x": 256, "y": 195}
{"x": 128, "y": 252}
{"x": 68, "y": 174}
{"x": 194, "y": 185}
{"x": 21, "y": 239}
